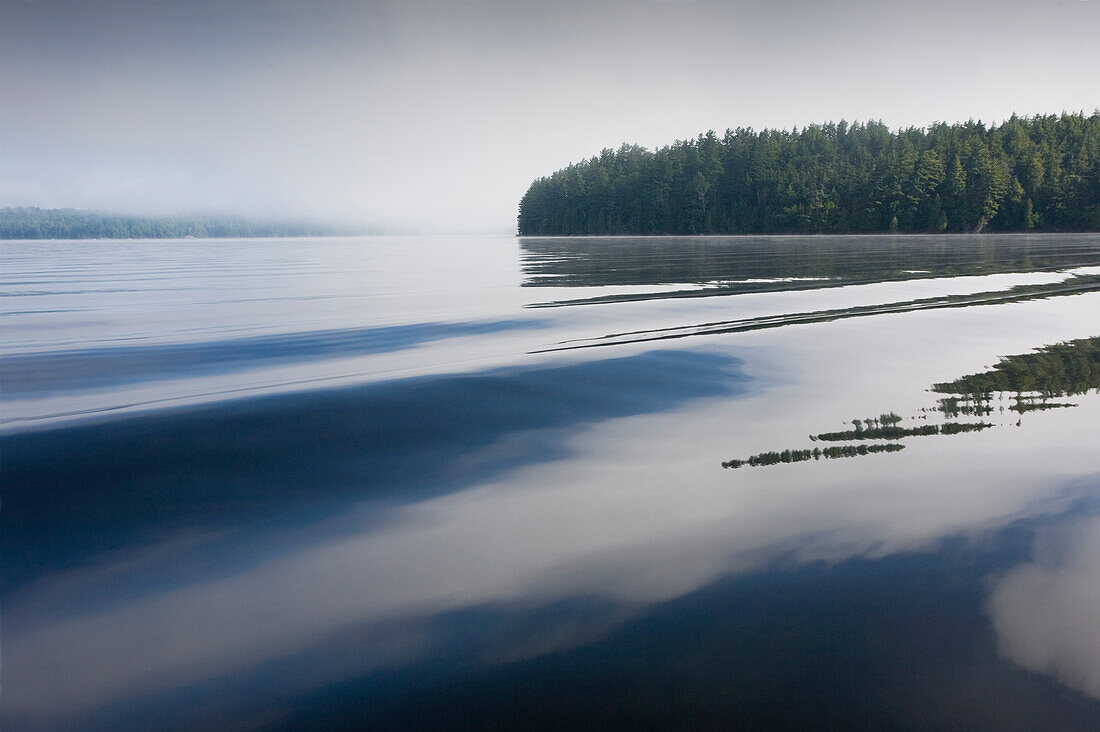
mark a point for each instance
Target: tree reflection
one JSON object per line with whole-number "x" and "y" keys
{"x": 1029, "y": 382}
{"x": 735, "y": 265}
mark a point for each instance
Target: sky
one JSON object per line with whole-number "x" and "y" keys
{"x": 436, "y": 115}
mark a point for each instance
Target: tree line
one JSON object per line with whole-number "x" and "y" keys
{"x": 1063, "y": 369}
{"x": 66, "y": 223}
{"x": 1038, "y": 173}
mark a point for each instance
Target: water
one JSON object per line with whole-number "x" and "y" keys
{"x": 551, "y": 482}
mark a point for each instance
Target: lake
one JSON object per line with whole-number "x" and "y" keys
{"x": 551, "y": 482}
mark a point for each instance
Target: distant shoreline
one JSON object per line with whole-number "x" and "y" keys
{"x": 791, "y": 235}
{"x": 183, "y": 238}
{"x": 31, "y": 223}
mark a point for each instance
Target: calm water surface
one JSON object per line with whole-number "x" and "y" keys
{"x": 440, "y": 482}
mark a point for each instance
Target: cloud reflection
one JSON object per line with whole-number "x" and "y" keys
{"x": 604, "y": 525}
{"x": 1047, "y": 612}
{"x": 628, "y": 518}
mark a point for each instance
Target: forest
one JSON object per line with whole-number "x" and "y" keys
{"x": 1038, "y": 173}
{"x": 66, "y": 223}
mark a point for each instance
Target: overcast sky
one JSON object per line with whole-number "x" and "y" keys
{"x": 438, "y": 115}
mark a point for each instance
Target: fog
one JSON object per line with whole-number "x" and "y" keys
{"x": 436, "y": 116}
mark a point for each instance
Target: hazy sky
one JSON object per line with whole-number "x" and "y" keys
{"x": 438, "y": 115}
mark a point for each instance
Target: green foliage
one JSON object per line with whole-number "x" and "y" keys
{"x": 1063, "y": 369}
{"x": 890, "y": 432}
{"x": 798, "y": 456}
{"x": 67, "y": 223}
{"x": 1030, "y": 173}
{"x": 893, "y": 432}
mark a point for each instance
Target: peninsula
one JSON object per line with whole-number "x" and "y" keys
{"x": 1037, "y": 173}
{"x": 31, "y": 222}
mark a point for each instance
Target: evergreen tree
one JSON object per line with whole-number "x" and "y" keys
{"x": 1029, "y": 173}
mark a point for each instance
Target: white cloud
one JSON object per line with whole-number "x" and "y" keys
{"x": 1047, "y": 613}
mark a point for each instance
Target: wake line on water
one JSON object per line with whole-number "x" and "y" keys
{"x": 1074, "y": 286}
{"x": 755, "y": 286}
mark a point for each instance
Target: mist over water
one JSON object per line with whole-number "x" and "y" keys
{"x": 435, "y": 116}
{"x": 400, "y": 482}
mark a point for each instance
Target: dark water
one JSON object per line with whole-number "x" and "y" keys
{"x": 452, "y": 482}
